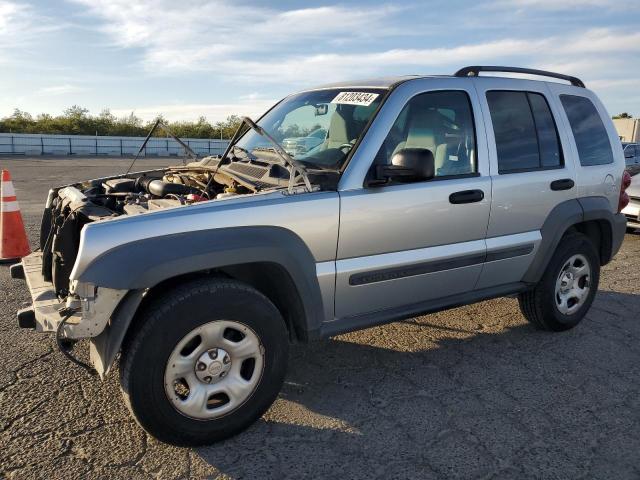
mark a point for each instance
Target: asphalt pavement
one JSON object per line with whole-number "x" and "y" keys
{"x": 473, "y": 392}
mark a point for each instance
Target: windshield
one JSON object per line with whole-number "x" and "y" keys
{"x": 316, "y": 128}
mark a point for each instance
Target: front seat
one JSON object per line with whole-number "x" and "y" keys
{"x": 339, "y": 133}
{"x": 423, "y": 132}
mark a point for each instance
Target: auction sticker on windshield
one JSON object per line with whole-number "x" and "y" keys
{"x": 355, "y": 98}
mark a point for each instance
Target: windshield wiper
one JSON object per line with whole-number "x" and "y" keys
{"x": 292, "y": 165}
{"x": 246, "y": 154}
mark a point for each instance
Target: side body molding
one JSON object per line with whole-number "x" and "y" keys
{"x": 145, "y": 263}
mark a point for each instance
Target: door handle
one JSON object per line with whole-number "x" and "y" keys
{"x": 563, "y": 184}
{"x": 466, "y": 196}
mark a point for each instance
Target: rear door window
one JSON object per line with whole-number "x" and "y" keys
{"x": 588, "y": 130}
{"x": 548, "y": 141}
{"x": 525, "y": 132}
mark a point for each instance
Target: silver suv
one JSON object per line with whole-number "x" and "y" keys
{"x": 428, "y": 192}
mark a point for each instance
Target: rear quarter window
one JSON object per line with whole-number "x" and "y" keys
{"x": 590, "y": 134}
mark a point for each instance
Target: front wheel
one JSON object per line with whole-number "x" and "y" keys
{"x": 566, "y": 290}
{"x": 204, "y": 361}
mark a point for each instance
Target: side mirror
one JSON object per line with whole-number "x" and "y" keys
{"x": 407, "y": 165}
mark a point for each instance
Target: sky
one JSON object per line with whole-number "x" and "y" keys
{"x": 190, "y": 58}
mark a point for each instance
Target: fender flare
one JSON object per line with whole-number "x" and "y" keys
{"x": 143, "y": 264}
{"x": 567, "y": 214}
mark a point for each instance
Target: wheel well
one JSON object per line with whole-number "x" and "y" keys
{"x": 270, "y": 279}
{"x": 600, "y": 233}
{"x": 275, "y": 283}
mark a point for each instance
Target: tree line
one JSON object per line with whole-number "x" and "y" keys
{"x": 77, "y": 121}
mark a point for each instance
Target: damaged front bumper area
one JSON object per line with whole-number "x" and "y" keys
{"x": 88, "y": 312}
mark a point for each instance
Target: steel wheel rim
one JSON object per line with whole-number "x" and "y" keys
{"x": 214, "y": 369}
{"x": 573, "y": 284}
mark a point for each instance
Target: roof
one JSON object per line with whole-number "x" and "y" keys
{"x": 382, "y": 82}
{"x": 474, "y": 71}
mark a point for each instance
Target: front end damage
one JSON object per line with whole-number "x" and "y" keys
{"x": 70, "y": 208}
{"x": 75, "y": 310}
{"x": 85, "y": 312}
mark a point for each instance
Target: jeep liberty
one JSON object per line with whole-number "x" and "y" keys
{"x": 425, "y": 193}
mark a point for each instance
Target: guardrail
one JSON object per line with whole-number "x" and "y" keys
{"x": 34, "y": 144}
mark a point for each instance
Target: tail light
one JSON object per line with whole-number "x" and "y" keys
{"x": 623, "y": 201}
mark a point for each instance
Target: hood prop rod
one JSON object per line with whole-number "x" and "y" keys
{"x": 158, "y": 123}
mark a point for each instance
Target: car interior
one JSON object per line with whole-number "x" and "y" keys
{"x": 444, "y": 129}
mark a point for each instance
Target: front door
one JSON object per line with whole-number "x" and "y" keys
{"x": 407, "y": 243}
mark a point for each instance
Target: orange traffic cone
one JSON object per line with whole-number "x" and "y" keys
{"x": 13, "y": 238}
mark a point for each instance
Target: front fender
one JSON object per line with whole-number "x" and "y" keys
{"x": 142, "y": 264}
{"x": 145, "y": 263}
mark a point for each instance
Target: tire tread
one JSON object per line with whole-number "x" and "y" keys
{"x": 532, "y": 303}
{"x": 152, "y": 315}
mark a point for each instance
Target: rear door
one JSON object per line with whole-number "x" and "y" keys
{"x": 405, "y": 244}
{"x": 532, "y": 171}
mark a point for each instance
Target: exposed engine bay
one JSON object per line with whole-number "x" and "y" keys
{"x": 71, "y": 207}
{"x": 243, "y": 170}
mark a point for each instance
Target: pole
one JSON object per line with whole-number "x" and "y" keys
{"x": 144, "y": 145}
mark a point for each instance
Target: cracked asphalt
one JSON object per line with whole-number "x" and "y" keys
{"x": 473, "y": 392}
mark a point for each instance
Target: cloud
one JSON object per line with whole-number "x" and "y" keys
{"x": 55, "y": 90}
{"x": 582, "y": 53}
{"x": 559, "y": 5}
{"x": 212, "y": 112}
{"x": 16, "y": 22}
{"x": 14, "y": 19}
{"x": 20, "y": 23}
{"x": 614, "y": 83}
{"x": 263, "y": 45}
{"x": 197, "y": 36}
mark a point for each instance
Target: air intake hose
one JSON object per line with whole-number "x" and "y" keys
{"x": 159, "y": 188}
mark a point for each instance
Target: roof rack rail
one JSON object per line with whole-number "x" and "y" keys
{"x": 473, "y": 71}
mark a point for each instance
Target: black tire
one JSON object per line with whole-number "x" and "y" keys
{"x": 631, "y": 229}
{"x": 168, "y": 319}
{"x": 539, "y": 304}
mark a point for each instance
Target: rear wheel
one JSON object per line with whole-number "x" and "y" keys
{"x": 204, "y": 361}
{"x": 567, "y": 289}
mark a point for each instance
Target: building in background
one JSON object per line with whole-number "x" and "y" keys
{"x": 628, "y": 129}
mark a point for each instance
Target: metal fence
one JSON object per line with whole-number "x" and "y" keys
{"x": 29, "y": 144}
